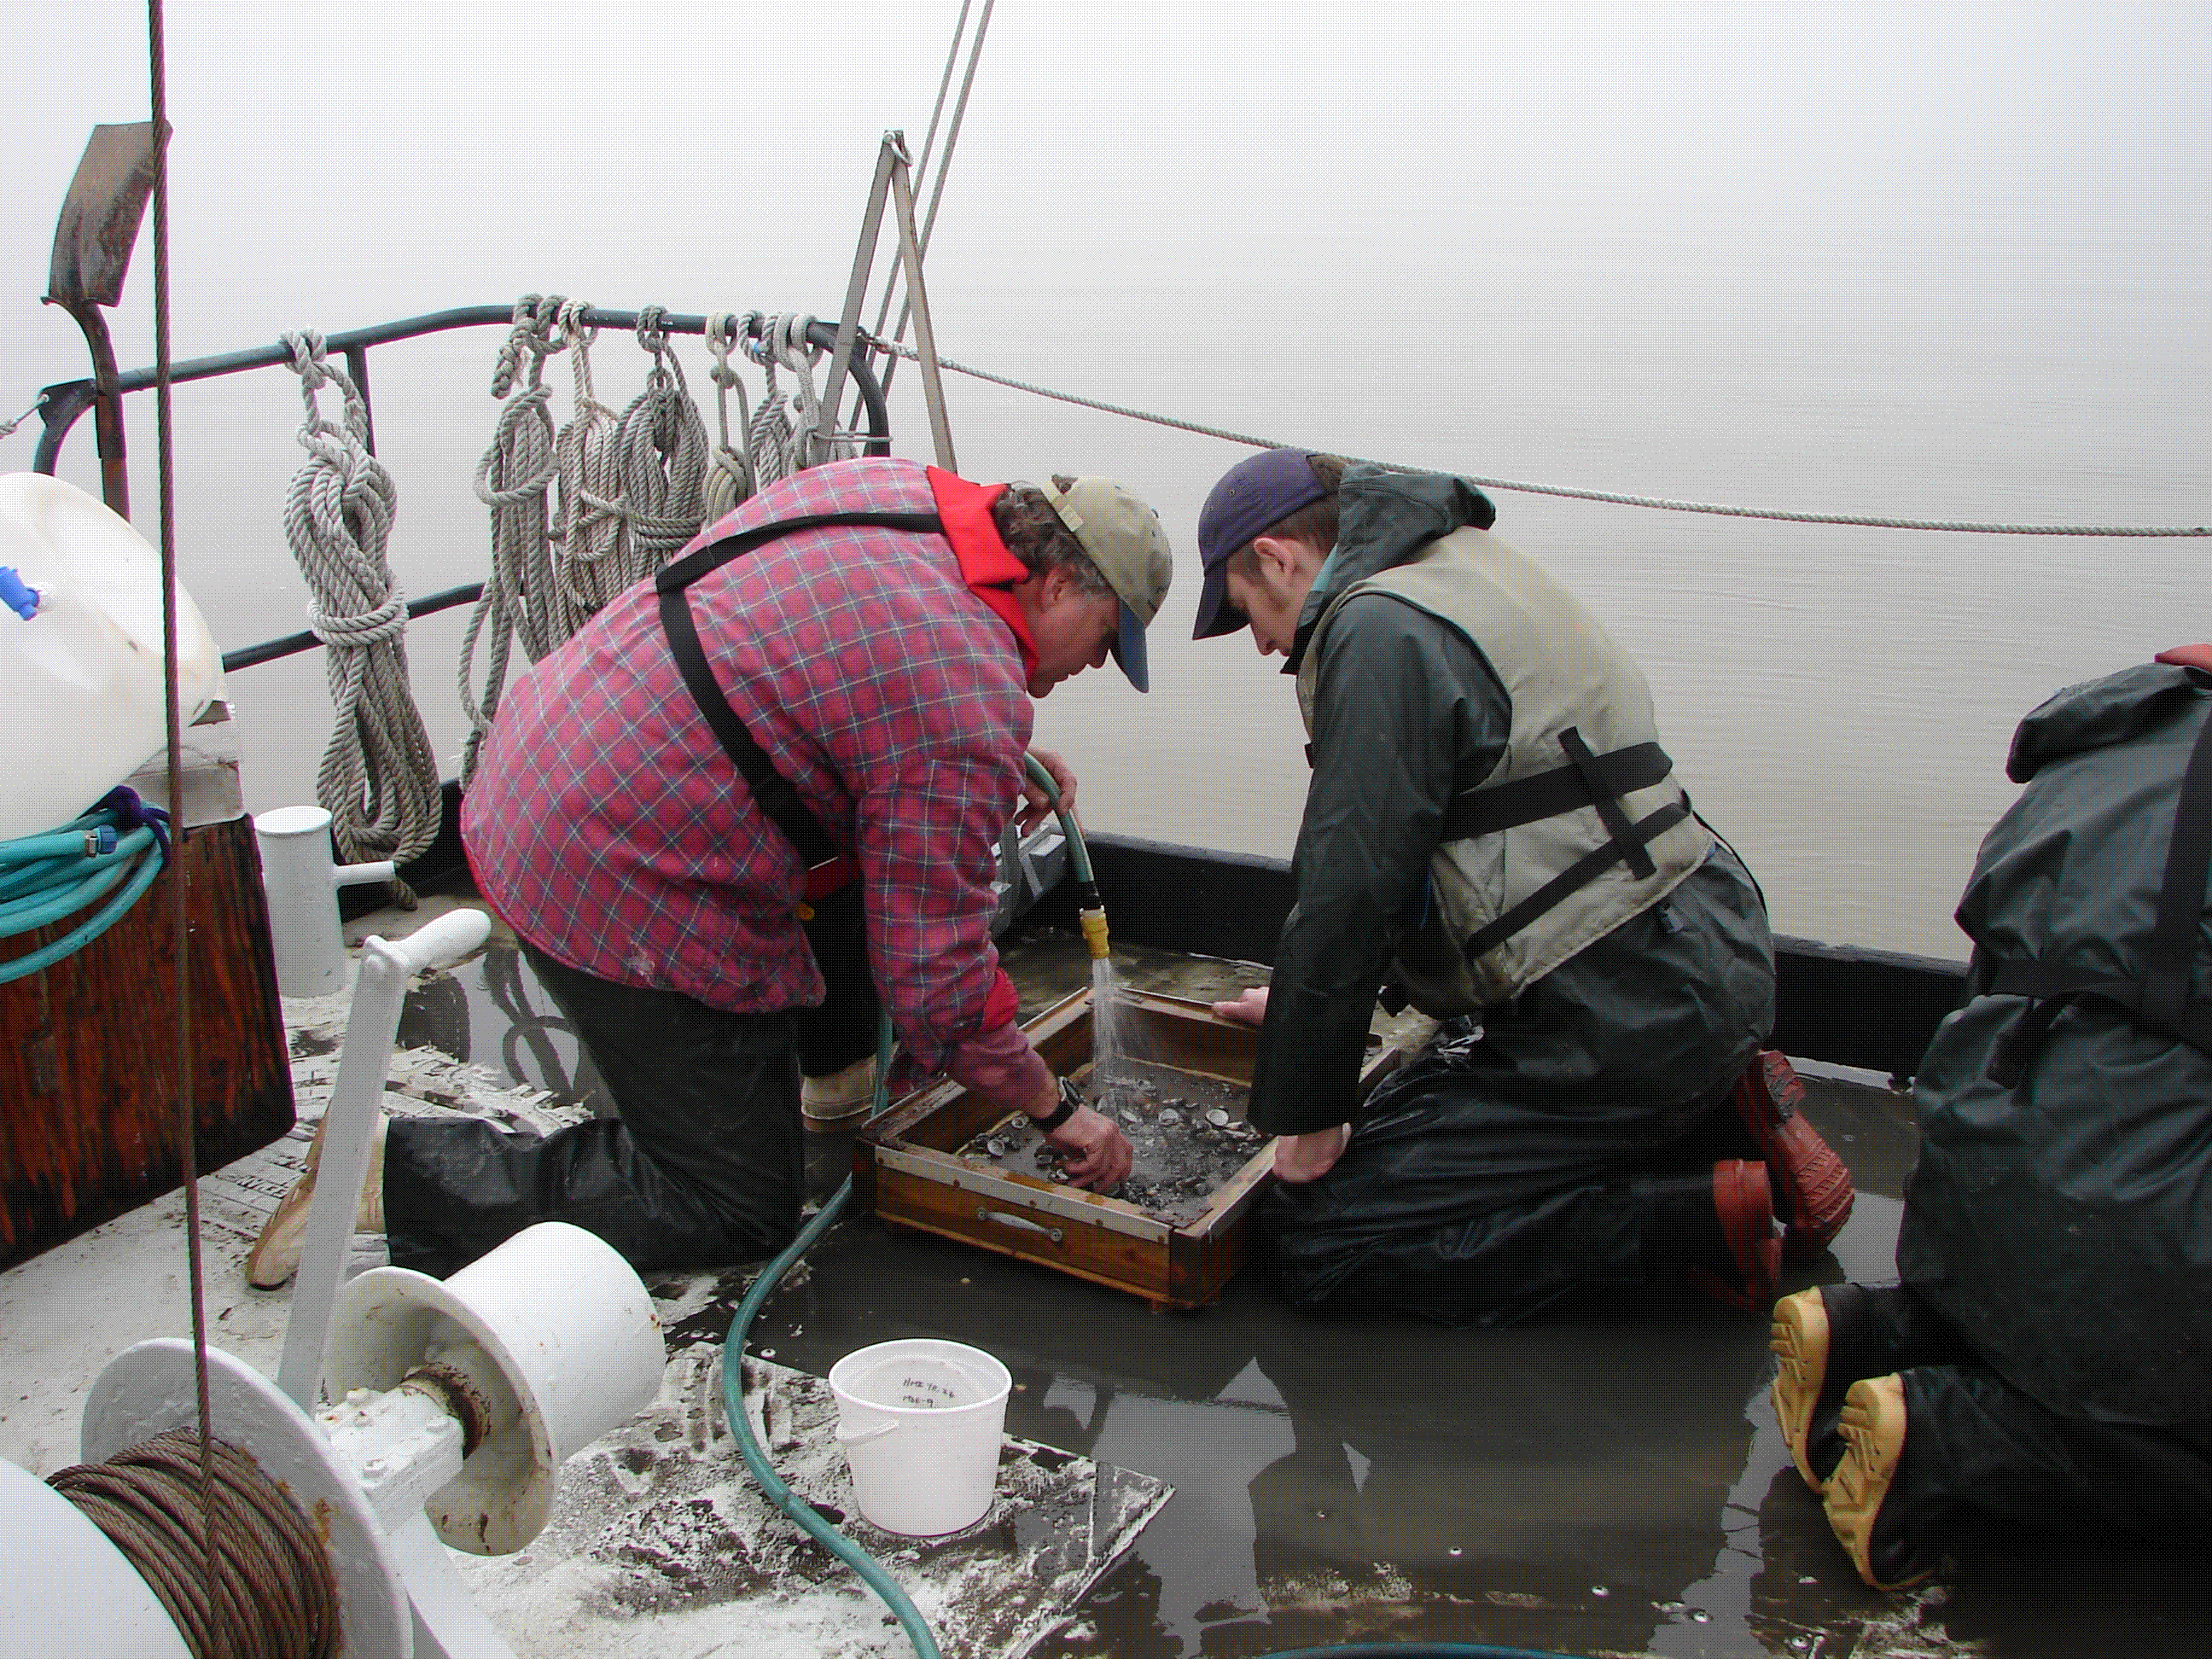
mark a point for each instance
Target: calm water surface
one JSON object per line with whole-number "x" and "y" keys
{"x": 1946, "y": 263}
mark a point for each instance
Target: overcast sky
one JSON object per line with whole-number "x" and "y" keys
{"x": 355, "y": 161}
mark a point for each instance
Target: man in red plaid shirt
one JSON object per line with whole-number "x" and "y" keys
{"x": 884, "y": 669}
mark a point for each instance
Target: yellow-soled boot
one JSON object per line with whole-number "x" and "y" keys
{"x": 1874, "y": 1429}
{"x": 1799, "y": 1339}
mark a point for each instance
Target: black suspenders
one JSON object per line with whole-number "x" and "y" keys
{"x": 771, "y": 789}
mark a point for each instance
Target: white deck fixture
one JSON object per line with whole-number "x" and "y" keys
{"x": 454, "y": 1403}
{"x": 301, "y": 881}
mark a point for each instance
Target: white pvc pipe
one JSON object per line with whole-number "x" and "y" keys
{"x": 349, "y": 1127}
{"x": 301, "y": 882}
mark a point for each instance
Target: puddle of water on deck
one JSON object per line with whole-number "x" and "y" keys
{"x": 1589, "y": 1483}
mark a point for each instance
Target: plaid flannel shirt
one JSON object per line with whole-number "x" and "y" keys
{"x": 608, "y": 828}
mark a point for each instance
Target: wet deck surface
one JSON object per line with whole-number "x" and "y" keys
{"x": 1608, "y": 1480}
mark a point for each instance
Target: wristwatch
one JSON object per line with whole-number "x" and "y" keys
{"x": 1069, "y": 1100}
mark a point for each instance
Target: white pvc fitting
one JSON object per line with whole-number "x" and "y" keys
{"x": 301, "y": 881}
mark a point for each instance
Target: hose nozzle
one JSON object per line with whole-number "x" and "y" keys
{"x": 1093, "y": 923}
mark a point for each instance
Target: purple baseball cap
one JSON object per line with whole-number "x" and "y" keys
{"x": 1260, "y": 491}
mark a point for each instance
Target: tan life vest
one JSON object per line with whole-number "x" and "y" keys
{"x": 1581, "y": 826}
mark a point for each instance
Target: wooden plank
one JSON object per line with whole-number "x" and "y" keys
{"x": 1199, "y": 1264}
{"x": 90, "y": 1085}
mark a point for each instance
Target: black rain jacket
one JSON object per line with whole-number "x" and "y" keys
{"x": 2063, "y": 1221}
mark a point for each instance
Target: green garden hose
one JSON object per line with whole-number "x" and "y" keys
{"x": 114, "y": 851}
{"x": 1090, "y": 908}
{"x": 734, "y": 1398}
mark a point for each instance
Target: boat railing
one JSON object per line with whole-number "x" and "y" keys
{"x": 63, "y": 405}
{"x": 1869, "y": 1009}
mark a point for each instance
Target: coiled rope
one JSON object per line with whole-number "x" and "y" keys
{"x": 1522, "y": 487}
{"x": 514, "y": 480}
{"x": 594, "y": 556}
{"x": 379, "y": 780}
{"x": 662, "y": 446}
{"x": 729, "y": 477}
{"x": 260, "y": 1588}
{"x": 580, "y": 514}
{"x": 779, "y": 447}
{"x": 115, "y": 849}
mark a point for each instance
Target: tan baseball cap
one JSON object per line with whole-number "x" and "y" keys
{"x": 1124, "y": 538}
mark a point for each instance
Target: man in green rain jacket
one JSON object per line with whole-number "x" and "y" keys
{"x": 2047, "y": 1359}
{"x": 1494, "y": 834}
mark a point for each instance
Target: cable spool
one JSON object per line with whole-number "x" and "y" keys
{"x": 150, "y": 1390}
{"x": 261, "y": 1588}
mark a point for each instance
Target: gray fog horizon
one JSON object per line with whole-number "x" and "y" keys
{"x": 1938, "y": 263}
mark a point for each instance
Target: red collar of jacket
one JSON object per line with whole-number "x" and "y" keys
{"x": 986, "y": 566}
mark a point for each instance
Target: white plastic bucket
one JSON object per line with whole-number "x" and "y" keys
{"x": 81, "y": 677}
{"x": 920, "y": 1420}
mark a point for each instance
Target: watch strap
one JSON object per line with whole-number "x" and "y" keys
{"x": 1069, "y": 1100}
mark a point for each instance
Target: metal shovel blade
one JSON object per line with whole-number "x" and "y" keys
{"x": 100, "y": 215}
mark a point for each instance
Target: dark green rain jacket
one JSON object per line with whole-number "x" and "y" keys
{"x": 2063, "y": 1221}
{"x": 1406, "y": 711}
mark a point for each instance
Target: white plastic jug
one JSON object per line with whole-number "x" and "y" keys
{"x": 920, "y": 1420}
{"x": 82, "y": 697}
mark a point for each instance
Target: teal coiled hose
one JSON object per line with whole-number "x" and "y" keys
{"x": 114, "y": 851}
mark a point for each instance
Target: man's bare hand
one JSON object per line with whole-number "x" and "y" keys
{"x": 1037, "y": 803}
{"x": 1300, "y": 1159}
{"x": 1095, "y": 1152}
{"x": 1247, "y": 1007}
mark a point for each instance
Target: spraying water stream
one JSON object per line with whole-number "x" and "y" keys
{"x": 1108, "y": 1039}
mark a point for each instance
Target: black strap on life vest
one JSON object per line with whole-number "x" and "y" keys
{"x": 2158, "y": 999}
{"x": 1587, "y": 780}
{"x": 1486, "y": 809}
{"x": 1583, "y": 871}
{"x": 771, "y": 789}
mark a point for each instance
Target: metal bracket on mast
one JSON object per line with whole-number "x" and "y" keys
{"x": 893, "y": 182}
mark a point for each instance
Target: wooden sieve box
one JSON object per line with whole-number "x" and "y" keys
{"x": 910, "y": 1167}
